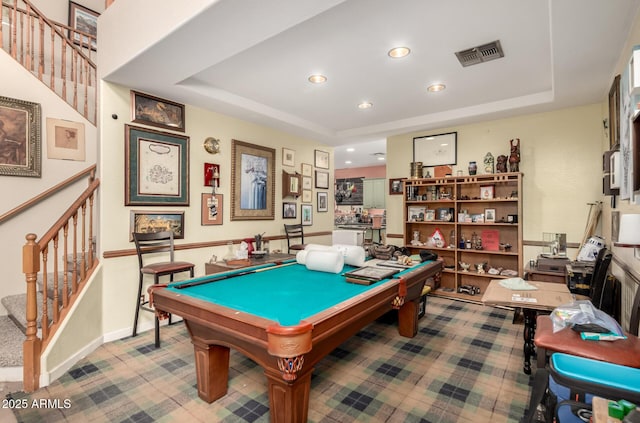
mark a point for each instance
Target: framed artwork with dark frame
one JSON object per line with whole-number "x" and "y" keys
{"x": 321, "y": 159}
{"x": 323, "y": 201}
{"x": 156, "y": 221}
{"x": 395, "y": 186}
{"x": 289, "y": 210}
{"x": 155, "y": 111}
{"x": 156, "y": 168}
{"x": 306, "y": 210}
{"x": 436, "y": 150}
{"x": 322, "y": 179}
{"x": 211, "y": 209}
{"x": 253, "y": 181}
{"x": 83, "y": 20}
{"x": 489, "y": 215}
{"x": 20, "y": 138}
{"x": 614, "y": 114}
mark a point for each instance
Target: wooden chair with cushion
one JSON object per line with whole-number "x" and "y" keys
{"x": 625, "y": 352}
{"x": 155, "y": 244}
{"x": 293, "y": 232}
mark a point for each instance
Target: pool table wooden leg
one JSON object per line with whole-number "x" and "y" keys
{"x": 288, "y": 401}
{"x": 212, "y": 370}
{"x": 408, "y": 318}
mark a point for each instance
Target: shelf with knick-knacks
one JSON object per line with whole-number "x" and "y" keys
{"x": 474, "y": 223}
{"x": 212, "y": 175}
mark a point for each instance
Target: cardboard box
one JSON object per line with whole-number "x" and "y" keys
{"x": 548, "y": 296}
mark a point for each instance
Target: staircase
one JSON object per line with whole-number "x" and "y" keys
{"x": 61, "y": 57}
{"x": 60, "y": 261}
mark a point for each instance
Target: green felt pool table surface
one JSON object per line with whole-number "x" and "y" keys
{"x": 286, "y": 294}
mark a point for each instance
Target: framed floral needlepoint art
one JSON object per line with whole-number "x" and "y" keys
{"x": 156, "y": 168}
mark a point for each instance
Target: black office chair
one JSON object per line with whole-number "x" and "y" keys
{"x": 293, "y": 232}
{"x": 155, "y": 243}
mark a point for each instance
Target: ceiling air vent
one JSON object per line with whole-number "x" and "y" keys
{"x": 480, "y": 54}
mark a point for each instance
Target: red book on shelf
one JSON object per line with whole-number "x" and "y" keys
{"x": 490, "y": 240}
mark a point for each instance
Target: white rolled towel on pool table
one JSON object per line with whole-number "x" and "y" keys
{"x": 354, "y": 255}
{"x": 330, "y": 261}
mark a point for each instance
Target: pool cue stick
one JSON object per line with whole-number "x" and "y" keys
{"x": 233, "y": 275}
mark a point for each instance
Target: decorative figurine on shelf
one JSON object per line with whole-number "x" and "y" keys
{"x": 501, "y": 166}
{"x": 514, "y": 158}
{"x": 489, "y": 164}
{"x": 464, "y": 266}
{"x": 480, "y": 268}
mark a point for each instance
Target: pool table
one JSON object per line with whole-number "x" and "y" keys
{"x": 286, "y": 318}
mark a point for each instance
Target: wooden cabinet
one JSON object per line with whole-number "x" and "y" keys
{"x": 472, "y": 220}
{"x": 291, "y": 184}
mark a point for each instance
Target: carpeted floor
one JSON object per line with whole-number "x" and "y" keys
{"x": 464, "y": 365}
{"x": 11, "y": 345}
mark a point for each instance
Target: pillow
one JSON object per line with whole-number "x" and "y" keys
{"x": 330, "y": 261}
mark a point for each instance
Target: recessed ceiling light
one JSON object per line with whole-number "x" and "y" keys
{"x": 365, "y": 105}
{"x": 399, "y": 52}
{"x": 436, "y": 87}
{"x": 347, "y": 162}
{"x": 380, "y": 158}
{"x": 317, "y": 79}
{"x": 351, "y": 149}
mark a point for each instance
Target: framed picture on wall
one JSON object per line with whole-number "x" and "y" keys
{"x": 156, "y": 167}
{"x": 306, "y": 210}
{"x": 156, "y": 221}
{"x": 288, "y": 157}
{"x": 306, "y": 169}
{"x": 83, "y": 21}
{"x": 65, "y": 140}
{"x": 154, "y": 111}
{"x": 20, "y": 123}
{"x": 323, "y": 201}
{"x": 211, "y": 213}
{"x": 322, "y": 179}
{"x": 253, "y": 182}
{"x": 289, "y": 210}
{"x": 321, "y": 159}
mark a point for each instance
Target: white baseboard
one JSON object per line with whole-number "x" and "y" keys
{"x": 142, "y": 327}
{"x": 47, "y": 378}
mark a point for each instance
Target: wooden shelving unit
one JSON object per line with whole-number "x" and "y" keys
{"x": 451, "y": 202}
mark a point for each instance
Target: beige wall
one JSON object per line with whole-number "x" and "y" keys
{"x": 120, "y": 274}
{"x": 560, "y": 160}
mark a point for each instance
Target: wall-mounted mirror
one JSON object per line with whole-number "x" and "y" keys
{"x": 436, "y": 150}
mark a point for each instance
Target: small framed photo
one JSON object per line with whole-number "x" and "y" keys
{"x": 306, "y": 169}
{"x": 307, "y": 182}
{"x": 477, "y": 218}
{"x": 288, "y": 157}
{"x": 416, "y": 214}
{"x": 486, "y": 192}
{"x": 395, "y": 186}
{"x": 65, "y": 140}
{"x": 490, "y": 215}
{"x": 322, "y": 179}
{"x": 323, "y": 202}
{"x": 306, "y": 196}
{"x": 155, "y": 111}
{"x": 156, "y": 221}
{"x": 321, "y": 159}
{"x": 211, "y": 209}
{"x": 430, "y": 215}
{"x": 289, "y": 210}
{"x": 306, "y": 210}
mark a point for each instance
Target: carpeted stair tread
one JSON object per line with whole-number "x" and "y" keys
{"x": 60, "y": 283}
{"x": 11, "y": 345}
{"x": 16, "y": 306}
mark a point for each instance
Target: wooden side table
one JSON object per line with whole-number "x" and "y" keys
{"x": 222, "y": 266}
{"x": 534, "y": 274}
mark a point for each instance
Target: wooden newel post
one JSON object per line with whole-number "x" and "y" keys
{"x": 31, "y": 346}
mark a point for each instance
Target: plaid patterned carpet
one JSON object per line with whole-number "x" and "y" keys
{"x": 464, "y": 365}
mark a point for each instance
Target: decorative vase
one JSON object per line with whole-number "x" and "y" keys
{"x": 473, "y": 168}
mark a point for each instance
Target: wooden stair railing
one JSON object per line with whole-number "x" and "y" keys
{"x": 42, "y": 47}
{"x": 72, "y": 233}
